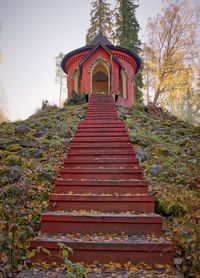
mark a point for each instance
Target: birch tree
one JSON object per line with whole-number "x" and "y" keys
{"x": 61, "y": 78}
{"x": 172, "y": 48}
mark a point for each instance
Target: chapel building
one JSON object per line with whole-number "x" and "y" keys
{"x": 102, "y": 67}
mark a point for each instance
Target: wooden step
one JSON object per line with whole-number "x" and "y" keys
{"x": 137, "y": 224}
{"x": 104, "y": 174}
{"x": 99, "y": 186}
{"x": 103, "y": 139}
{"x": 115, "y": 203}
{"x": 100, "y": 145}
{"x": 136, "y": 249}
{"x": 104, "y": 130}
{"x": 104, "y": 134}
{"x": 100, "y": 165}
{"x": 104, "y": 152}
{"x": 108, "y": 159}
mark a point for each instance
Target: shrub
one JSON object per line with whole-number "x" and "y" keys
{"x": 75, "y": 98}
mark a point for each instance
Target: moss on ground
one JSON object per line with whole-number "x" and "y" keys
{"x": 31, "y": 153}
{"x": 169, "y": 150}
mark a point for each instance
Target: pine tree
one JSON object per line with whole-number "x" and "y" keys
{"x": 100, "y": 20}
{"x": 126, "y": 34}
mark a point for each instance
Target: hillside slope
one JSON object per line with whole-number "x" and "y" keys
{"x": 32, "y": 151}
{"x": 169, "y": 151}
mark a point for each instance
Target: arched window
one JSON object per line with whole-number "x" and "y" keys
{"x": 76, "y": 77}
{"x": 122, "y": 83}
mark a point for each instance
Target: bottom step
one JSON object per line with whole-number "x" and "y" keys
{"x": 133, "y": 248}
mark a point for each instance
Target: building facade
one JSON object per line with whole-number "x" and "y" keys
{"x": 102, "y": 68}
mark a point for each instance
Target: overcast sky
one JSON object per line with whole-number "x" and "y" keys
{"x": 33, "y": 32}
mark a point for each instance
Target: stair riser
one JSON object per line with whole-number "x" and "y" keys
{"x": 103, "y": 158}
{"x": 101, "y": 125}
{"x": 101, "y": 145}
{"x": 95, "y": 227}
{"x": 101, "y": 117}
{"x": 102, "y": 140}
{"x": 112, "y": 183}
{"x": 102, "y": 130}
{"x": 101, "y": 114}
{"x": 101, "y": 176}
{"x": 100, "y": 165}
{"x": 101, "y": 189}
{"x": 98, "y": 152}
{"x": 105, "y": 256}
{"x": 101, "y": 134}
{"x": 114, "y": 121}
{"x": 138, "y": 207}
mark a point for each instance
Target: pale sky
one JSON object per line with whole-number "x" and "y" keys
{"x": 33, "y": 32}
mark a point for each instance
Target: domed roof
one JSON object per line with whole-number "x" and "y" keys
{"x": 100, "y": 40}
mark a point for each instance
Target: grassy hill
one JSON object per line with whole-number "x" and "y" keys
{"x": 32, "y": 151}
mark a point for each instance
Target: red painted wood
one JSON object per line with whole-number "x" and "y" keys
{"x": 96, "y": 189}
{"x": 137, "y": 252}
{"x": 63, "y": 223}
{"x": 139, "y": 204}
{"x": 91, "y": 165}
{"x": 79, "y": 134}
{"x": 101, "y": 160}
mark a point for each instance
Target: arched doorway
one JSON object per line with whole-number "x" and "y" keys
{"x": 100, "y": 78}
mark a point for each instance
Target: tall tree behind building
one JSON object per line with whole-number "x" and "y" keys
{"x": 126, "y": 33}
{"x": 100, "y": 20}
{"x": 172, "y": 50}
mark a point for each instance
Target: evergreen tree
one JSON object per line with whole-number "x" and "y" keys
{"x": 100, "y": 20}
{"x": 126, "y": 34}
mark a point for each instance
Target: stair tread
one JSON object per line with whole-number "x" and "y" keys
{"x": 102, "y": 170}
{"x": 100, "y": 214}
{"x": 104, "y": 239}
{"x": 126, "y": 182}
{"x": 101, "y": 197}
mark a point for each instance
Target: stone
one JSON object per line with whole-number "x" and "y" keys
{"x": 27, "y": 143}
{"x": 39, "y": 133}
{"x": 155, "y": 169}
{"x": 134, "y": 139}
{"x": 141, "y": 155}
{"x": 36, "y": 153}
{"x": 143, "y": 143}
{"x": 15, "y": 173}
{"x": 21, "y": 129}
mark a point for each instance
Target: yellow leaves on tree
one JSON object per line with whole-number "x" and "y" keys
{"x": 171, "y": 52}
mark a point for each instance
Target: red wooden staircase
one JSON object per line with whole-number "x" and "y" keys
{"x": 100, "y": 206}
